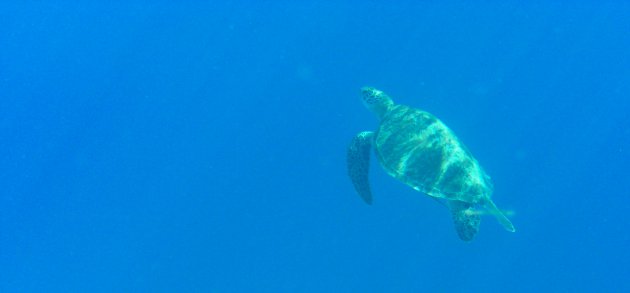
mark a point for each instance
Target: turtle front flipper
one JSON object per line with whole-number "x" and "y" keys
{"x": 466, "y": 219}
{"x": 359, "y": 164}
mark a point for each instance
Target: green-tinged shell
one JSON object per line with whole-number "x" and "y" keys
{"x": 418, "y": 149}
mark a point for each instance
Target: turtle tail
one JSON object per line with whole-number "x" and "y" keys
{"x": 492, "y": 208}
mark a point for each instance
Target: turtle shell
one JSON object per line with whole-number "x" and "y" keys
{"x": 422, "y": 152}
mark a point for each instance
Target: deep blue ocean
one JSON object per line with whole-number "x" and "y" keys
{"x": 163, "y": 146}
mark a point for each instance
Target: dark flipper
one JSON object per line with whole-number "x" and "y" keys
{"x": 359, "y": 164}
{"x": 466, "y": 220}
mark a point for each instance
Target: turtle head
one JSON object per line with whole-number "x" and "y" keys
{"x": 377, "y": 101}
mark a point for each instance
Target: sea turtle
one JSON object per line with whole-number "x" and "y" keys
{"x": 418, "y": 149}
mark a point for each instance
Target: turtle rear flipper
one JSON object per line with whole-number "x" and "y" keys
{"x": 466, "y": 220}
{"x": 359, "y": 164}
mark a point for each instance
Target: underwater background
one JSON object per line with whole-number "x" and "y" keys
{"x": 163, "y": 146}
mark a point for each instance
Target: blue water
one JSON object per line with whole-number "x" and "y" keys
{"x": 147, "y": 146}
